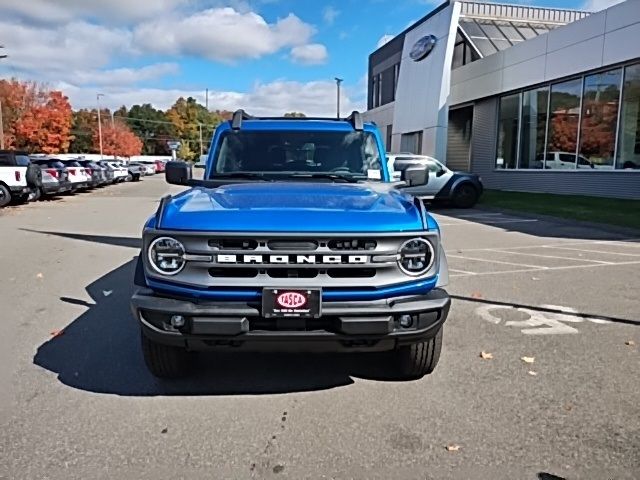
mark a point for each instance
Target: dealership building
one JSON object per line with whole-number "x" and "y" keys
{"x": 532, "y": 99}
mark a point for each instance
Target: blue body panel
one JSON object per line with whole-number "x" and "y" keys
{"x": 293, "y": 206}
{"x": 283, "y": 207}
{"x": 330, "y": 295}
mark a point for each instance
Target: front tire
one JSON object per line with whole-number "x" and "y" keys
{"x": 164, "y": 361}
{"x": 465, "y": 196}
{"x": 419, "y": 359}
{"x": 5, "y": 196}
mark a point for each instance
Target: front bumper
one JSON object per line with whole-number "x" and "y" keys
{"x": 344, "y": 326}
{"x": 19, "y": 190}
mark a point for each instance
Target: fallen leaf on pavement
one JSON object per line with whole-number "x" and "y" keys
{"x": 528, "y": 359}
{"x": 568, "y": 407}
{"x": 39, "y": 275}
{"x": 164, "y": 430}
{"x": 631, "y": 343}
{"x": 476, "y": 295}
{"x": 106, "y": 293}
{"x": 453, "y": 447}
{"x": 57, "y": 333}
{"x": 486, "y": 355}
{"x": 532, "y": 373}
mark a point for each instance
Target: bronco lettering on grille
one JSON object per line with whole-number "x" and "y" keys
{"x": 294, "y": 259}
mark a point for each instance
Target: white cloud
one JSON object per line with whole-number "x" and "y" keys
{"x": 222, "y": 34}
{"x": 329, "y": 14}
{"x": 316, "y": 98}
{"x": 312, "y": 54}
{"x": 384, "y": 40}
{"x": 597, "y": 5}
{"x": 123, "y": 76}
{"x": 56, "y": 11}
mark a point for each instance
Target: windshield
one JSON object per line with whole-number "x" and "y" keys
{"x": 278, "y": 153}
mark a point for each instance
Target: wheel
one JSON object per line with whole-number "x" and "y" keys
{"x": 420, "y": 359}
{"x": 36, "y": 195}
{"x": 5, "y": 196}
{"x": 136, "y": 178}
{"x": 129, "y": 177}
{"x": 465, "y": 196}
{"x": 164, "y": 361}
{"x": 20, "y": 199}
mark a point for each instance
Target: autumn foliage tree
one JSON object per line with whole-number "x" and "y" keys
{"x": 37, "y": 120}
{"x": 117, "y": 140}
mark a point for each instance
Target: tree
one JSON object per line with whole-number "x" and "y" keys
{"x": 37, "y": 120}
{"x": 188, "y": 117}
{"x": 295, "y": 115}
{"x": 152, "y": 126}
{"x": 83, "y": 124}
{"x": 117, "y": 140}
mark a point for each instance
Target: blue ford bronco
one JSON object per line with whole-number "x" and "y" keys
{"x": 297, "y": 239}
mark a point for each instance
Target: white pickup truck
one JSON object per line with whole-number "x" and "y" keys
{"x": 18, "y": 177}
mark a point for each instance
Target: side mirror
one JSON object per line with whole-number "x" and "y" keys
{"x": 178, "y": 173}
{"x": 415, "y": 175}
{"x": 440, "y": 173}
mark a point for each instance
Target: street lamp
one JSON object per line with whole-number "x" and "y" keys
{"x": 338, "y": 83}
{"x": 100, "y": 123}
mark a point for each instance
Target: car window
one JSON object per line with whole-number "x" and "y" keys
{"x": 567, "y": 158}
{"x": 351, "y": 153}
{"x": 22, "y": 160}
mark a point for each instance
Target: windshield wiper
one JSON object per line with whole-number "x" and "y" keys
{"x": 328, "y": 176}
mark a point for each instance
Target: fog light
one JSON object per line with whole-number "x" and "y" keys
{"x": 406, "y": 321}
{"x": 177, "y": 321}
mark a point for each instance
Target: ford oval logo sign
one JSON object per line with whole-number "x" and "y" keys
{"x": 291, "y": 300}
{"x": 423, "y": 47}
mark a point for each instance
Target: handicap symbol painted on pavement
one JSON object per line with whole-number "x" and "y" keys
{"x": 538, "y": 323}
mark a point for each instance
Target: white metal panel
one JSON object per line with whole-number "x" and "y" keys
{"x": 382, "y": 116}
{"x": 575, "y": 58}
{"x": 423, "y": 87}
{"x": 623, "y": 15}
{"x": 577, "y": 32}
{"x": 492, "y": 63}
{"x": 622, "y": 44}
{"x": 523, "y": 74}
{"x": 484, "y": 86}
{"x": 524, "y": 51}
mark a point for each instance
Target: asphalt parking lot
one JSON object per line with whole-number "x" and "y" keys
{"x": 538, "y": 377}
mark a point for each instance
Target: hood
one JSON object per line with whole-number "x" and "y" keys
{"x": 293, "y": 207}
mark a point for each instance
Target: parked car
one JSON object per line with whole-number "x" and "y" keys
{"x": 55, "y": 177}
{"x": 77, "y": 175}
{"x": 109, "y": 171}
{"x": 160, "y": 166}
{"x": 135, "y": 172}
{"x": 462, "y": 189}
{"x": 120, "y": 171}
{"x": 145, "y": 168}
{"x": 19, "y": 178}
{"x": 565, "y": 161}
{"x": 151, "y": 166}
{"x": 96, "y": 173}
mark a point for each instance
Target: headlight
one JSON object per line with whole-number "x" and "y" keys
{"x": 166, "y": 256}
{"x": 416, "y": 256}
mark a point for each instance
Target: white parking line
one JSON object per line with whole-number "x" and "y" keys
{"x": 478, "y": 215}
{"x": 559, "y": 244}
{"x": 462, "y": 271}
{"x": 598, "y": 251}
{"x": 539, "y": 267}
{"x": 548, "y": 269}
{"x": 549, "y": 256}
{"x": 484, "y": 222}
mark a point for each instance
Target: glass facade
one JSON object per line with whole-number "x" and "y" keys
{"x": 587, "y": 123}
{"x": 508, "y": 131}
{"x": 629, "y": 133}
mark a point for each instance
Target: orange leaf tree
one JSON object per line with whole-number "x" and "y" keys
{"x": 117, "y": 140}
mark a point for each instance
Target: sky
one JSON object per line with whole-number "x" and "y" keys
{"x": 266, "y": 56}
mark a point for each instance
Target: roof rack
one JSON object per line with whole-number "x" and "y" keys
{"x": 355, "y": 119}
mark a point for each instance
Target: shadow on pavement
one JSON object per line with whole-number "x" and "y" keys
{"x": 537, "y": 225}
{"x": 100, "y": 352}
{"x": 106, "y": 240}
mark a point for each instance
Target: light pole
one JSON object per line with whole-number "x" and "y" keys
{"x": 338, "y": 83}
{"x": 206, "y": 99}
{"x": 100, "y": 123}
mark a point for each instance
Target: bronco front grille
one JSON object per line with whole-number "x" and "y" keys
{"x": 320, "y": 261}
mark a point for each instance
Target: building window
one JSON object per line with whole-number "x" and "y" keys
{"x": 629, "y": 131}
{"x": 600, "y": 102}
{"x": 396, "y": 76}
{"x": 508, "y": 131}
{"x": 534, "y": 127}
{"x": 564, "y": 120}
{"x": 374, "y": 89}
{"x": 379, "y": 99}
{"x": 389, "y": 137}
{"x": 411, "y": 142}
